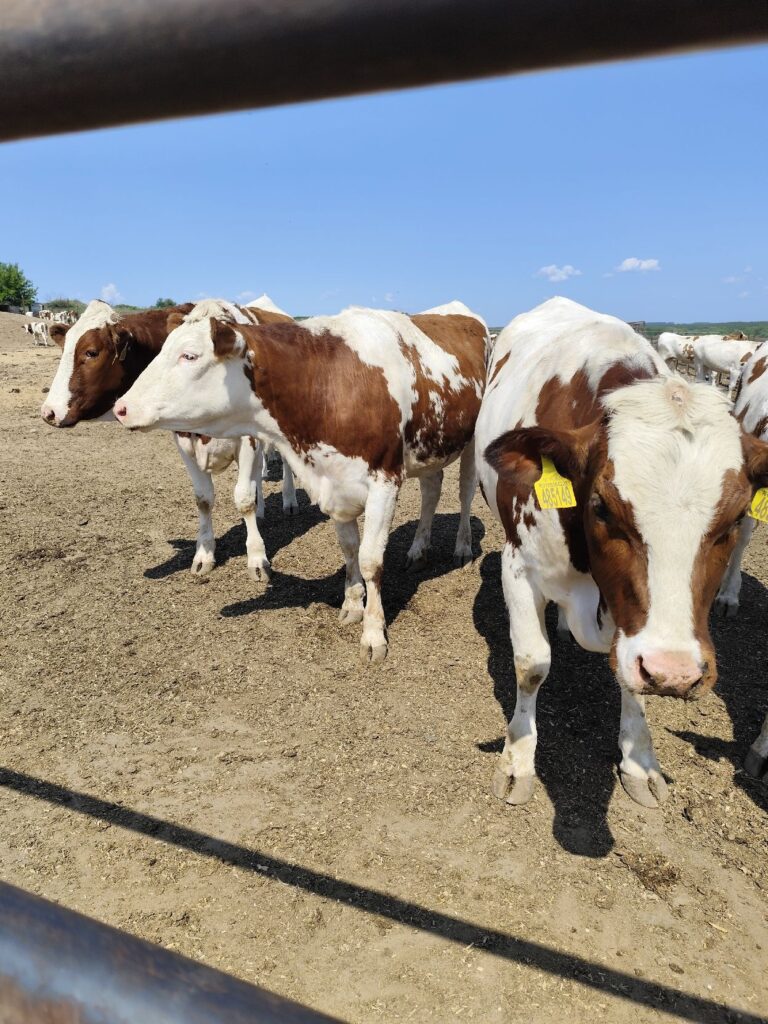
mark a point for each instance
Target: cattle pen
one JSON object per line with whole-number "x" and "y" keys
{"x": 287, "y": 819}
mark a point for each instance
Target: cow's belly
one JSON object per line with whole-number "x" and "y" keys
{"x": 417, "y": 463}
{"x": 338, "y": 484}
{"x": 215, "y": 454}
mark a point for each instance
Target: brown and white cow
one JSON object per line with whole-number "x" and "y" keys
{"x": 103, "y": 354}
{"x": 662, "y": 474}
{"x": 354, "y": 402}
{"x": 38, "y": 330}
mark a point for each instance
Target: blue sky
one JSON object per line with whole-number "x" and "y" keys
{"x": 500, "y": 193}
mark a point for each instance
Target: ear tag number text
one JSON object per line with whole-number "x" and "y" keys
{"x": 555, "y": 491}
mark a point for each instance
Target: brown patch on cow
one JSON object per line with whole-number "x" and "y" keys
{"x": 204, "y": 438}
{"x": 756, "y": 455}
{"x": 57, "y": 332}
{"x": 252, "y": 442}
{"x": 758, "y": 369}
{"x": 319, "y": 391}
{"x": 108, "y": 359}
{"x": 501, "y": 363}
{"x": 442, "y": 419}
{"x": 226, "y": 341}
{"x": 745, "y": 358}
{"x": 266, "y": 316}
{"x": 760, "y": 426}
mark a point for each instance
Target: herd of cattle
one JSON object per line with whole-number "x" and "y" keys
{"x": 38, "y": 328}
{"x": 624, "y": 489}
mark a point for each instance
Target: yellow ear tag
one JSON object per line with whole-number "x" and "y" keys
{"x": 553, "y": 490}
{"x": 759, "y": 507}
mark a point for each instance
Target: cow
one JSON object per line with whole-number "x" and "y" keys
{"x": 661, "y": 474}
{"x": 102, "y": 355}
{"x": 353, "y": 402}
{"x": 39, "y": 332}
{"x": 714, "y": 354}
{"x": 675, "y": 349}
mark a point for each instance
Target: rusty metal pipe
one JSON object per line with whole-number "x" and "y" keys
{"x": 58, "y": 967}
{"x": 75, "y": 64}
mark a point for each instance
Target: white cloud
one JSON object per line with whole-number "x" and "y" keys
{"x": 389, "y": 296}
{"x": 730, "y": 279}
{"x": 743, "y": 295}
{"x": 555, "y": 273}
{"x": 111, "y": 294}
{"x": 633, "y": 263}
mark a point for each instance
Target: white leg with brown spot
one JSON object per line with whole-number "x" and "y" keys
{"x": 249, "y": 499}
{"x": 379, "y": 513}
{"x": 290, "y": 504}
{"x": 418, "y": 553}
{"x": 515, "y": 773}
{"x": 467, "y": 486}
{"x": 727, "y": 600}
{"x": 757, "y": 759}
{"x": 639, "y": 771}
{"x": 205, "y": 496}
{"x": 352, "y": 610}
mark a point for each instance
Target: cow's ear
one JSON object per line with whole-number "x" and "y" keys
{"x": 58, "y": 333}
{"x": 755, "y": 460}
{"x": 174, "y": 320}
{"x": 226, "y": 341}
{"x": 520, "y": 451}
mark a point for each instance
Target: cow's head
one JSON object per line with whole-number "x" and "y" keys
{"x": 92, "y": 367}
{"x": 198, "y": 381}
{"x": 662, "y": 481}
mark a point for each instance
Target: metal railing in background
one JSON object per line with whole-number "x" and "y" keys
{"x": 58, "y": 967}
{"x": 67, "y": 65}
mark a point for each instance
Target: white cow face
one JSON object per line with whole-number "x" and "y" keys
{"x": 197, "y": 382}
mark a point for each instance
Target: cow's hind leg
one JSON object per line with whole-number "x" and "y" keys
{"x": 467, "y": 484}
{"x": 639, "y": 771}
{"x": 418, "y": 552}
{"x": 379, "y": 512}
{"x": 727, "y": 600}
{"x": 249, "y": 501}
{"x": 205, "y": 496}
{"x": 515, "y": 773}
{"x": 354, "y": 588}
{"x": 756, "y": 760}
{"x": 290, "y": 504}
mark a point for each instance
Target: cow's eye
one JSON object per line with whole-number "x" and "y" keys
{"x": 91, "y": 353}
{"x": 601, "y": 510}
{"x": 188, "y": 357}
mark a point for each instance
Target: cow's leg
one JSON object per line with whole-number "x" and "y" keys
{"x": 699, "y": 367}
{"x": 467, "y": 484}
{"x": 249, "y": 500}
{"x": 205, "y": 496}
{"x": 515, "y": 773}
{"x": 379, "y": 512}
{"x": 639, "y": 771}
{"x": 290, "y": 504}
{"x": 727, "y": 600}
{"x": 354, "y": 588}
{"x": 430, "y": 495}
{"x": 563, "y": 629}
{"x": 757, "y": 758}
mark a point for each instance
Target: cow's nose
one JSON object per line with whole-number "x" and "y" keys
{"x": 121, "y": 410}
{"x": 671, "y": 674}
{"x": 48, "y": 414}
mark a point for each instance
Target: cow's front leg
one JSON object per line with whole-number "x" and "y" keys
{"x": 515, "y": 773}
{"x": 205, "y": 496}
{"x": 249, "y": 499}
{"x": 290, "y": 503}
{"x": 467, "y": 484}
{"x": 379, "y": 512}
{"x": 639, "y": 771}
{"x": 727, "y": 600}
{"x": 756, "y": 760}
{"x": 354, "y": 588}
{"x": 418, "y": 552}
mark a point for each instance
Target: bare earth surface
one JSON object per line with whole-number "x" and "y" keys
{"x": 209, "y": 766}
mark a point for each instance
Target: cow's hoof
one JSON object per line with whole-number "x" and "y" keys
{"x": 650, "y": 792}
{"x": 201, "y": 567}
{"x": 417, "y": 562}
{"x": 726, "y": 607}
{"x": 754, "y": 764}
{"x": 372, "y": 654}
{"x": 462, "y": 558}
{"x": 512, "y": 790}
{"x": 291, "y": 509}
{"x": 349, "y": 616}
{"x": 260, "y": 572}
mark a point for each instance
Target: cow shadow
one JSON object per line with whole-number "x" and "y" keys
{"x": 576, "y": 754}
{"x": 277, "y": 531}
{"x": 399, "y": 585}
{"x": 742, "y": 685}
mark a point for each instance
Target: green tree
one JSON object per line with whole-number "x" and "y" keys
{"x": 15, "y": 288}
{"x": 164, "y": 303}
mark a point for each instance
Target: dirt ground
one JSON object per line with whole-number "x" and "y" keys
{"x": 208, "y": 765}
